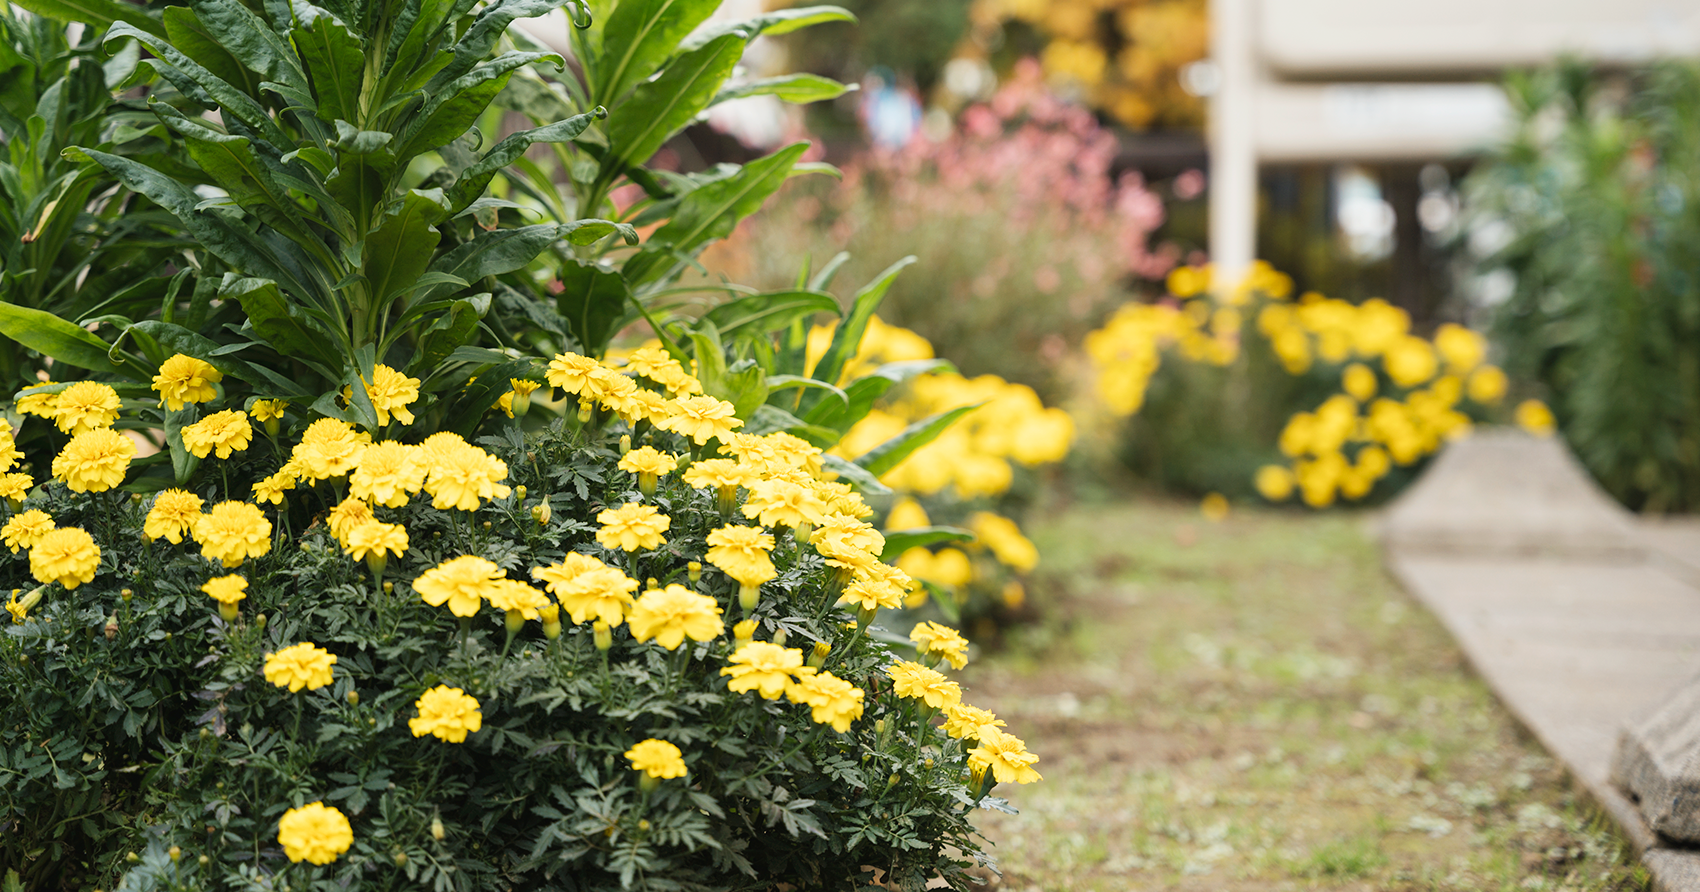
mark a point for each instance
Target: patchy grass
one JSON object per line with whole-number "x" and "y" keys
{"x": 1254, "y": 705}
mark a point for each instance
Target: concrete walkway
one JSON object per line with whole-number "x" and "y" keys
{"x": 1580, "y": 616}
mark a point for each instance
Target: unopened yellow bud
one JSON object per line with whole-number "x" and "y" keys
{"x": 551, "y": 616}
{"x": 400, "y": 859}
{"x": 176, "y": 853}
{"x": 625, "y": 443}
{"x": 519, "y": 492}
{"x": 745, "y": 631}
{"x": 779, "y": 636}
{"x": 540, "y": 513}
{"x": 748, "y": 597}
{"x": 353, "y": 697}
{"x": 817, "y": 659}
{"x": 437, "y": 832}
{"x": 694, "y": 571}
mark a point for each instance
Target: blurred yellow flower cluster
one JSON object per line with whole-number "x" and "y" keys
{"x": 1125, "y": 55}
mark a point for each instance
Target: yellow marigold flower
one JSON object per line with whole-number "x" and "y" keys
{"x": 1410, "y": 361}
{"x": 1004, "y": 538}
{"x": 1486, "y": 385}
{"x": 1214, "y": 507}
{"x": 459, "y": 478}
{"x": 511, "y": 595}
{"x": 671, "y": 614}
{"x": 622, "y": 396}
{"x": 1462, "y": 348}
{"x": 753, "y": 450}
{"x": 15, "y": 486}
{"x": 329, "y": 448}
{"x": 440, "y": 444}
{"x": 94, "y": 460}
{"x": 388, "y": 473}
{"x": 1534, "y": 417}
{"x": 271, "y": 489}
{"x": 348, "y": 514}
{"x": 588, "y": 588}
{"x": 446, "y": 713}
{"x": 227, "y": 432}
{"x": 657, "y": 759}
{"x": 962, "y": 720}
{"x": 648, "y": 460}
{"x": 570, "y": 371}
{"x": 1006, "y": 755}
{"x": 1359, "y": 381}
{"x": 228, "y": 591}
{"x": 185, "y": 379}
{"x": 463, "y": 583}
{"x": 779, "y": 502}
{"x": 174, "y": 514}
{"x": 26, "y": 529}
{"x": 742, "y": 552}
{"x": 765, "y": 668}
{"x": 718, "y": 472}
{"x": 847, "y": 542}
{"x": 518, "y": 389}
{"x": 832, "y": 700}
{"x": 304, "y": 665}
{"x": 392, "y": 392}
{"x": 85, "y": 406}
{"x": 651, "y": 405}
{"x": 375, "y": 537}
{"x": 1274, "y": 482}
{"x": 268, "y": 410}
{"x": 934, "y": 640}
{"x": 655, "y": 364}
{"x": 9, "y": 452}
{"x": 39, "y": 404}
{"x": 233, "y": 531}
{"x": 841, "y": 499}
{"x": 917, "y": 682}
{"x": 879, "y": 586}
{"x": 632, "y": 527}
{"x": 315, "y": 833}
{"x": 702, "y": 418}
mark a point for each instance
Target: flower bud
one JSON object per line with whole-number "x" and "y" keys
{"x": 818, "y": 658}
{"x": 353, "y": 697}
{"x": 388, "y": 587}
{"x": 584, "y": 409}
{"x": 260, "y": 621}
{"x": 551, "y": 616}
{"x": 802, "y": 531}
{"x": 748, "y": 597}
{"x": 744, "y": 632}
{"x": 125, "y": 594}
{"x": 176, "y": 853}
{"x": 111, "y": 629}
{"x": 514, "y": 620}
{"x": 437, "y": 829}
{"x": 625, "y": 443}
{"x": 132, "y": 857}
{"x": 521, "y": 404}
{"x": 519, "y": 492}
{"x": 694, "y": 571}
{"x": 487, "y": 524}
{"x": 400, "y": 858}
{"x": 203, "y": 861}
{"x": 779, "y": 636}
{"x": 643, "y": 824}
{"x": 540, "y": 513}
{"x": 892, "y": 781}
{"x": 604, "y": 636}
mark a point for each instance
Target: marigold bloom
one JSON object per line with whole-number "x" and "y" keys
{"x": 460, "y": 477}
{"x": 40, "y": 404}
{"x": 329, "y": 448}
{"x": 228, "y": 591}
{"x": 94, "y": 460}
{"x": 9, "y": 452}
{"x": 588, "y": 588}
{"x": 304, "y": 665}
{"x": 185, "y": 379}
{"x": 718, "y": 473}
{"x": 702, "y": 418}
{"x": 26, "y": 529}
{"x": 511, "y": 595}
{"x": 66, "y": 555}
{"x": 764, "y": 667}
{"x": 1004, "y": 538}
{"x": 268, "y": 410}
{"x": 463, "y": 583}
{"x": 15, "y": 486}
{"x": 271, "y": 489}
{"x": 880, "y": 585}
{"x": 392, "y": 392}
{"x": 570, "y": 371}
{"x": 934, "y": 640}
{"x": 521, "y": 390}
{"x": 449, "y": 714}
{"x": 657, "y": 758}
{"x": 1005, "y": 754}
{"x": 348, "y": 514}
{"x": 85, "y": 406}
{"x": 847, "y": 542}
{"x": 654, "y": 363}
{"x": 1274, "y": 482}
{"x": 962, "y": 721}
{"x": 779, "y": 502}
{"x": 1534, "y": 417}
{"x": 632, "y": 527}
{"x": 226, "y": 432}
{"x": 647, "y": 460}
{"x": 917, "y": 682}
{"x": 671, "y": 614}
{"x": 388, "y": 473}
{"x": 375, "y": 537}
{"x": 315, "y": 833}
{"x": 742, "y": 552}
{"x": 1486, "y": 385}
{"x": 233, "y": 531}
{"x": 832, "y": 700}
{"x": 174, "y": 514}
{"x": 651, "y": 405}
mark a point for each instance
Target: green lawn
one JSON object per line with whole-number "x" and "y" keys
{"x": 1254, "y": 704}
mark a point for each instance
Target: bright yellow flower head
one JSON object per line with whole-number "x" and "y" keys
{"x": 329, "y": 448}
{"x": 1006, "y": 755}
{"x": 588, "y": 588}
{"x": 513, "y": 595}
{"x": 86, "y": 406}
{"x": 832, "y": 700}
{"x": 348, "y": 514}
{"x": 463, "y": 583}
{"x": 375, "y": 537}
{"x": 1274, "y": 482}
{"x": 647, "y": 460}
{"x": 1410, "y": 361}
{"x": 24, "y": 530}
{"x": 40, "y": 404}
{"x": 226, "y": 589}
{"x": 271, "y": 489}
{"x": 779, "y": 502}
{"x": 15, "y": 487}
{"x": 1359, "y": 381}
{"x": 226, "y": 432}
{"x": 657, "y": 758}
{"x": 764, "y": 667}
{"x": 66, "y": 555}
{"x": 962, "y": 721}
{"x": 1534, "y": 417}
{"x": 460, "y": 477}
{"x": 1486, "y": 385}
{"x": 304, "y": 665}
{"x": 570, "y": 371}
{"x": 174, "y": 514}
{"x": 655, "y": 364}
{"x": 632, "y": 527}
{"x": 446, "y": 713}
{"x": 233, "y": 531}
{"x": 879, "y": 586}
{"x": 671, "y": 614}
{"x": 268, "y": 410}
{"x": 94, "y": 460}
{"x": 185, "y": 379}
{"x": 936, "y": 641}
{"x": 315, "y": 833}
{"x": 847, "y": 542}
{"x": 1004, "y": 538}
{"x": 742, "y": 552}
{"x": 1463, "y": 349}
{"x": 718, "y": 472}
{"x": 702, "y": 418}
{"x": 794, "y": 452}
{"x": 917, "y": 682}
{"x": 388, "y": 473}
{"x": 9, "y": 452}
{"x": 392, "y": 392}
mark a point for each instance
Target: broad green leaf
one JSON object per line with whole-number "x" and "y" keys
{"x": 712, "y": 211}
{"x": 592, "y": 300}
{"x": 829, "y": 272}
{"x": 866, "y": 390}
{"x": 661, "y": 107}
{"x": 492, "y": 254}
{"x": 336, "y": 61}
{"x": 192, "y": 38}
{"x": 399, "y": 250}
{"x": 479, "y": 39}
{"x": 448, "y": 334}
{"x": 854, "y": 473}
{"x": 231, "y": 162}
{"x": 229, "y": 99}
{"x": 848, "y": 338}
{"x": 251, "y": 40}
{"x": 782, "y": 21}
{"x": 744, "y": 385}
{"x": 589, "y": 232}
{"x": 99, "y": 13}
{"x": 354, "y": 141}
{"x": 796, "y": 88}
{"x": 710, "y": 357}
{"x": 770, "y": 312}
{"x": 473, "y": 181}
{"x": 791, "y": 382}
{"x": 889, "y": 454}
{"x": 638, "y": 37}
{"x": 899, "y": 541}
{"x": 65, "y": 342}
{"x": 767, "y": 419}
{"x": 448, "y": 114}
{"x": 290, "y": 333}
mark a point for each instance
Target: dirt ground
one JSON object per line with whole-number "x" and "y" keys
{"x": 1255, "y": 705}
